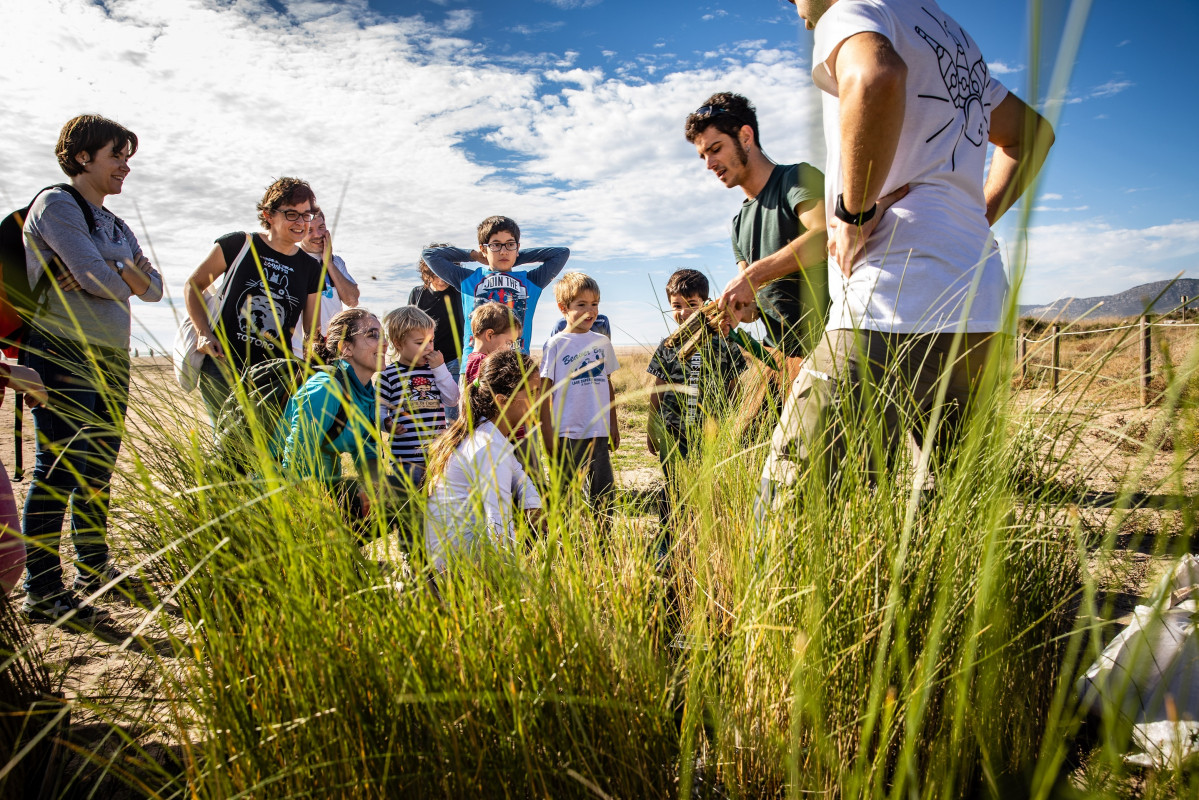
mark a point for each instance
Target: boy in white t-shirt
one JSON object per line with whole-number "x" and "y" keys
{"x": 578, "y": 423}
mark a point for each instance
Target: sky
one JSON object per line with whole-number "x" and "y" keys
{"x": 415, "y": 119}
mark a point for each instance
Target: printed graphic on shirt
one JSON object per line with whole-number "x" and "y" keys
{"x": 693, "y": 372}
{"x": 263, "y": 308}
{"x": 965, "y": 78}
{"x": 586, "y": 367}
{"x": 500, "y": 287}
{"x": 421, "y": 392}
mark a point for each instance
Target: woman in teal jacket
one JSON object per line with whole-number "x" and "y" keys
{"x": 335, "y": 411}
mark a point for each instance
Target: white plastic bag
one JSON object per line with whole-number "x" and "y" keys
{"x": 1150, "y": 672}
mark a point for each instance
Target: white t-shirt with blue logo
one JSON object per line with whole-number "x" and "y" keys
{"x": 578, "y": 365}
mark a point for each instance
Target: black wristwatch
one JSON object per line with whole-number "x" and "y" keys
{"x": 860, "y": 218}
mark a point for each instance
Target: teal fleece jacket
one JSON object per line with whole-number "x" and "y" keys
{"x": 310, "y": 413}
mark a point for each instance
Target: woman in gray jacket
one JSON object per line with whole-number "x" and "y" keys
{"x": 79, "y": 343}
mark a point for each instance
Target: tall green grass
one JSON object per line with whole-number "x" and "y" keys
{"x": 877, "y": 639}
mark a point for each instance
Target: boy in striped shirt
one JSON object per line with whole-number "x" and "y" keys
{"x": 414, "y": 390}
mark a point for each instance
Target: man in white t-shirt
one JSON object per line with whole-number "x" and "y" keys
{"x": 338, "y": 291}
{"x": 909, "y": 108}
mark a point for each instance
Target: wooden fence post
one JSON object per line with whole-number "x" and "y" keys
{"x": 1185, "y": 300}
{"x": 1055, "y": 367}
{"x": 1022, "y": 356}
{"x": 1146, "y": 358}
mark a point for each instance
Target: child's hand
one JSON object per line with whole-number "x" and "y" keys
{"x": 478, "y": 257}
{"x": 614, "y": 440}
{"x": 391, "y": 419}
{"x": 435, "y": 359}
{"x": 649, "y": 442}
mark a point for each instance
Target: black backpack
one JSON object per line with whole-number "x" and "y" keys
{"x": 19, "y": 301}
{"x": 268, "y": 386}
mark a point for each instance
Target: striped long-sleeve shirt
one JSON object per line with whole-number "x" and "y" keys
{"x": 413, "y": 402}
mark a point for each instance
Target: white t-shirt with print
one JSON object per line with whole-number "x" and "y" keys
{"x": 928, "y": 250}
{"x": 578, "y": 365}
{"x": 474, "y": 500}
{"x": 330, "y": 304}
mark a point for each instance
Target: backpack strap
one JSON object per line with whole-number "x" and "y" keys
{"x": 82, "y": 202}
{"x": 41, "y": 289}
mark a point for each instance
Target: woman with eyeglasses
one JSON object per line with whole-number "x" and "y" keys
{"x": 269, "y": 282}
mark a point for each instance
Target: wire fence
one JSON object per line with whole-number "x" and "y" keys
{"x": 1143, "y": 337}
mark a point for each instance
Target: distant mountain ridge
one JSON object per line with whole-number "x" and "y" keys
{"x": 1129, "y": 303}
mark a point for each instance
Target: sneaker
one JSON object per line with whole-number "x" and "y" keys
{"x": 88, "y": 582}
{"x": 55, "y": 606}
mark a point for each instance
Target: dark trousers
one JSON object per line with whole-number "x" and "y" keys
{"x": 589, "y": 456}
{"x": 671, "y": 453}
{"x": 78, "y": 437}
{"x": 216, "y": 377}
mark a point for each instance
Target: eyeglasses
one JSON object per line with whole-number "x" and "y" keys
{"x": 495, "y": 247}
{"x": 293, "y": 216}
{"x": 374, "y": 334}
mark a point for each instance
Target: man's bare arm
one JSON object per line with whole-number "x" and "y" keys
{"x": 870, "y": 79}
{"x": 1022, "y": 139}
{"x": 806, "y": 250}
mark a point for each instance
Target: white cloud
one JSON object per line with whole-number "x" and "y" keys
{"x": 224, "y": 98}
{"x": 1111, "y": 259}
{"x": 1112, "y": 87}
{"x": 539, "y": 27}
{"x": 1051, "y": 196}
{"x": 720, "y": 12}
{"x": 570, "y": 4}
{"x": 459, "y": 20}
{"x": 1002, "y": 68}
{"x": 1060, "y": 208}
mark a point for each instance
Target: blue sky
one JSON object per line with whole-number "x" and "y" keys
{"x": 566, "y": 115}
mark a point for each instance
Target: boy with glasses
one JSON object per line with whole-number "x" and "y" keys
{"x": 498, "y": 280}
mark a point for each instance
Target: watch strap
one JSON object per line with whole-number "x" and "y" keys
{"x": 860, "y": 218}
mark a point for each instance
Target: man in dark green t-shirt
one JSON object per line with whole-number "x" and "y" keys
{"x": 779, "y": 237}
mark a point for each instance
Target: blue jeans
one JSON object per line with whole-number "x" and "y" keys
{"x": 451, "y": 413}
{"x": 78, "y": 438}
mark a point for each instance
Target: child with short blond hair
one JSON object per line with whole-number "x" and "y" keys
{"x": 579, "y": 423}
{"x": 415, "y": 389}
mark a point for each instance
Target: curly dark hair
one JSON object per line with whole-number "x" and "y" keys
{"x": 285, "y": 192}
{"x": 725, "y": 111}
{"x": 493, "y": 225}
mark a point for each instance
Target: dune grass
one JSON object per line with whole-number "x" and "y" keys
{"x": 876, "y": 639}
